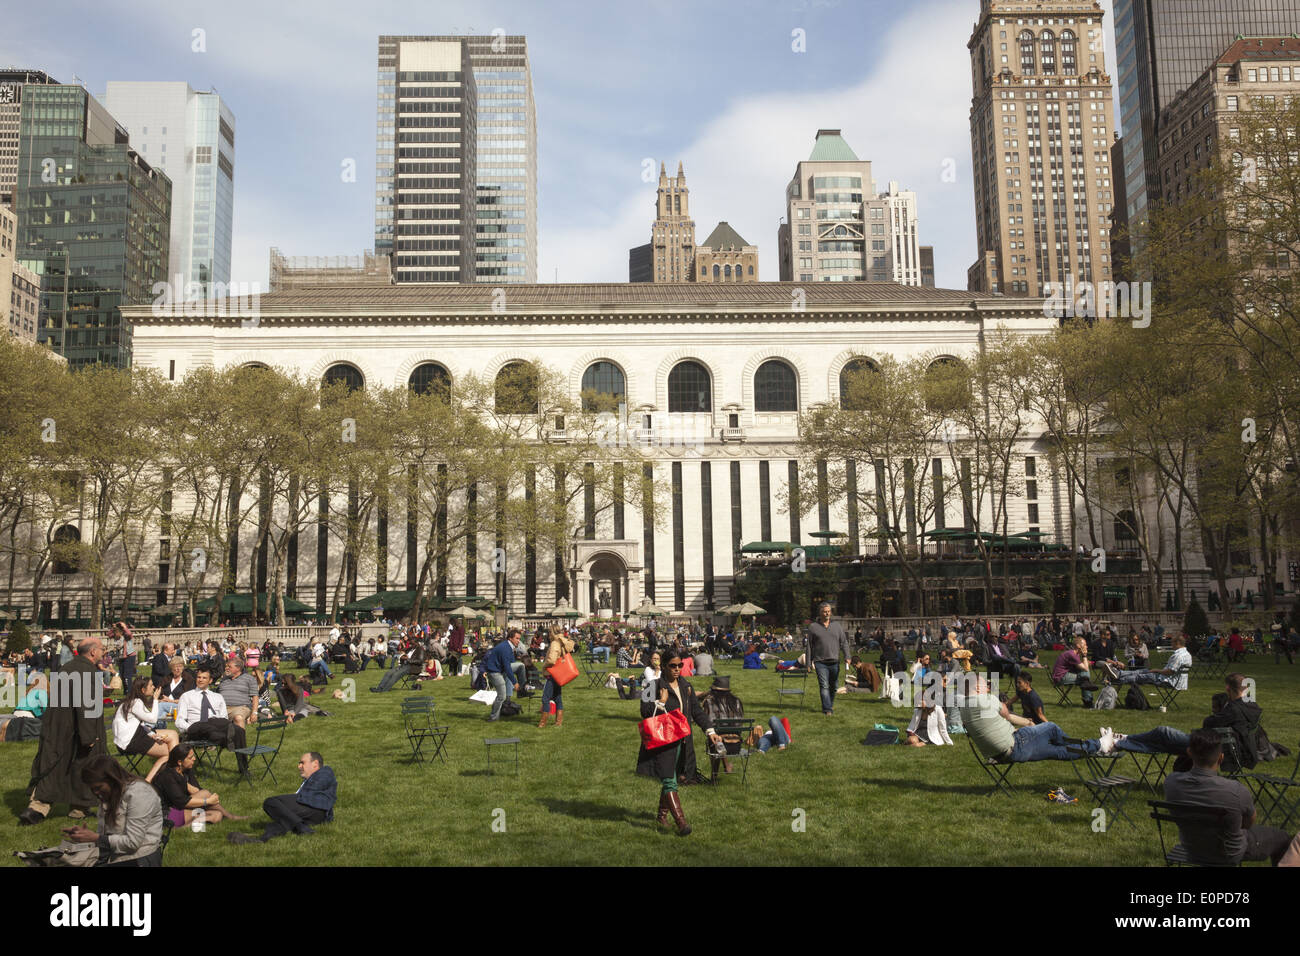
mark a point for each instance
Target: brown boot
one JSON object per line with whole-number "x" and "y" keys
{"x": 545, "y": 715}
{"x": 559, "y": 717}
{"x": 663, "y": 810}
{"x": 675, "y": 806}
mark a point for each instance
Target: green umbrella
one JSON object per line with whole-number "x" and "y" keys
{"x": 462, "y": 611}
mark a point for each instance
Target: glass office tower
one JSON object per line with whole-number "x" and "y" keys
{"x": 93, "y": 223}
{"x": 190, "y": 136}
{"x": 1162, "y": 47}
{"x": 500, "y": 124}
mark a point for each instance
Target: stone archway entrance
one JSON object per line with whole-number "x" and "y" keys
{"x": 606, "y": 577}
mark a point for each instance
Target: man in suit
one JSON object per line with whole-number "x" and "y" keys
{"x": 162, "y": 664}
{"x": 296, "y": 812}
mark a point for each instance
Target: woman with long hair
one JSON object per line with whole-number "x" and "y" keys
{"x": 677, "y": 760}
{"x": 551, "y": 701}
{"x": 130, "y": 816}
{"x": 135, "y": 726}
{"x": 652, "y": 670}
{"x": 181, "y": 794}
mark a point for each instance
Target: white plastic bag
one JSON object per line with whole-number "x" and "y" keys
{"x": 488, "y": 697}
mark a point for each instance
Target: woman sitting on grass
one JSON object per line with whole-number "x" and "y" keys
{"x": 181, "y": 794}
{"x": 753, "y": 659}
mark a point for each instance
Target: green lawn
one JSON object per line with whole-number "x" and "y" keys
{"x": 577, "y": 800}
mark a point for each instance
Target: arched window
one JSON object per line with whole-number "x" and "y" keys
{"x": 751, "y": 270}
{"x": 717, "y": 271}
{"x": 1069, "y": 59}
{"x": 344, "y": 374}
{"x": 690, "y": 388}
{"x": 1027, "y": 53}
{"x": 947, "y": 385}
{"x": 848, "y": 375}
{"x": 67, "y": 556}
{"x": 517, "y": 388}
{"x": 775, "y": 388}
{"x": 726, "y": 272}
{"x": 603, "y": 387}
{"x": 1048, "y": 43}
{"x": 430, "y": 378}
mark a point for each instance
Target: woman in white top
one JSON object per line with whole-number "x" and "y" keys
{"x": 651, "y": 670}
{"x": 134, "y": 722}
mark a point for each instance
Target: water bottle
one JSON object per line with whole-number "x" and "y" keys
{"x": 199, "y": 823}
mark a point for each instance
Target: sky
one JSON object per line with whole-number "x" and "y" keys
{"x": 718, "y": 85}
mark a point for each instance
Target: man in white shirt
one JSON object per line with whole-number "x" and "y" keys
{"x": 1173, "y": 674}
{"x": 201, "y": 715}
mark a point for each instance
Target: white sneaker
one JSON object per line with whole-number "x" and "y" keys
{"x": 1107, "y": 741}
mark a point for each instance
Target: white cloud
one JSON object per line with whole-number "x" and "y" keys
{"x": 909, "y": 115}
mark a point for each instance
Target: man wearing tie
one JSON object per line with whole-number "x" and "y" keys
{"x": 201, "y": 715}
{"x": 296, "y": 812}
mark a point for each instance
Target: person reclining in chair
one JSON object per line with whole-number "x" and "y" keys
{"x": 1242, "y": 717}
{"x": 993, "y": 731}
{"x": 1167, "y": 676}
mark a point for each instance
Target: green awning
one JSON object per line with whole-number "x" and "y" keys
{"x": 757, "y": 547}
{"x": 818, "y": 551}
{"x": 243, "y": 604}
{"x": 1111, "y": 591}
{"x": 388, "y": 600}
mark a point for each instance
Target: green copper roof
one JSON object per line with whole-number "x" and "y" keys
{"x": 830, "y": 147}
{"x": 724, "y": 237}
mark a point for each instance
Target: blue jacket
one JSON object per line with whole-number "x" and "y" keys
{"x": 499, "y": 659}
{"x": 320, "y": 790}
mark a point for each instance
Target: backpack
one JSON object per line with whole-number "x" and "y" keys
{"x": 1107, "y": 698}
{"x": 1135, "y": 699}
{"x": 510, "y": 709}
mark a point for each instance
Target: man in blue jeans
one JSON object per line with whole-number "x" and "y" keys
{"x": 826, "y": 640}
{"x": 992, "y": 728}
{"x": 498, "y": 665}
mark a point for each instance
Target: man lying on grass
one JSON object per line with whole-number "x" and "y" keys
{"x": 993, "y": 730}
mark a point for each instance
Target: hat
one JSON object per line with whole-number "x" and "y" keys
{"x": 722, "y": 682}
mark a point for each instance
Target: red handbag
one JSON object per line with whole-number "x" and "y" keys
{"x": 563, "y": 670}
{"x": 663, "y": 729}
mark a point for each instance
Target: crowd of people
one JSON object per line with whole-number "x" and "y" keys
{"x": 213, "y": 692}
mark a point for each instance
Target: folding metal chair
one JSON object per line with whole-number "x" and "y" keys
{"x": 417, "y": 721}
{"x": 997, "y": 768}
{"x": 1185, "y": 816}
{"x": 1277, "y": 798}
{"x": 1169, "y": 692}
{"x": 1107, "y": 789}
{"x": 268, "y": 728}
{"x": 800, "y": 676}
{"x": 1063, "y": 691}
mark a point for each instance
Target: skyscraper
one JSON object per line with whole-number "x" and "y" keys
{"x": 672, "y": 237}
{"x": 489, "y": 157}
{"x": 838, "y": 229}
{"x": 94, "y": 221}
{"x": 11, "y": 100}
{"x": 190, "y": 136}
{"x": 1161, "y": 48}
{"x": 1040, "y": 142}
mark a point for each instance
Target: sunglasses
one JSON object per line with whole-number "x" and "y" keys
{"x": 674, "y": 666}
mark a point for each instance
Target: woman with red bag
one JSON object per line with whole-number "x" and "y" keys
{"x": 559, "y": 647}
{"x": 668, "y": 694}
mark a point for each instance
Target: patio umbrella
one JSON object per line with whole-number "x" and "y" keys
{"x": 647, "y": 609}
{"x": 484, "y": 616}
{"x": 164, "y": 609}
{"x": 564, "y": 610}
{"x": 1027, "y": 596}
{"x": 729, "y": 609}
{"x": 8, "y": 616}
{"x": 462, "y": 611}
{"x": 750, "y": 609}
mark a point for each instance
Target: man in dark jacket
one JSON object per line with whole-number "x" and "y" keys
{"x": 162, "y": 664}
{"x": 72, "y": 732}
{"x": 1243, "y": 718}
{"x": 296, "y": 812}
{"x": 719, "y": 701}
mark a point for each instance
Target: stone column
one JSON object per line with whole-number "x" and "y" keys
{"x": 581, "y": 592}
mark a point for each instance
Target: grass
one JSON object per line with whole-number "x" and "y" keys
{"x": 577, "y": 801}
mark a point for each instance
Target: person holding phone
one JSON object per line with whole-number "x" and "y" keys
{"x": 130, "y": 816}
{"x": 675, "y": 761}
{"x": 135, "y": 726}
